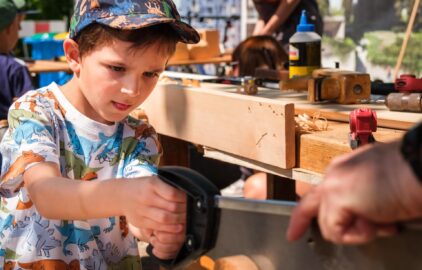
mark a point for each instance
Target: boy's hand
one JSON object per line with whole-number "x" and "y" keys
{"x": 156, "y": 213}
{"x": 166, "y": 245}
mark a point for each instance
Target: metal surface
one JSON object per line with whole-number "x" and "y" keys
{"x": 257, "y": 206}
{"x": 251, "y": 230}
{"x": 404, "y": 102}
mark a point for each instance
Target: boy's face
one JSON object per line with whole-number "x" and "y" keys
{"x": 115, "y": 79}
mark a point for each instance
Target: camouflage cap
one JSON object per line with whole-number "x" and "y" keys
{"x": 130, "y": 14}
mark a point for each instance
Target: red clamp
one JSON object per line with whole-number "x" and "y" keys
{"x": 363, "y": 122}
{"x": 408, "y": 83}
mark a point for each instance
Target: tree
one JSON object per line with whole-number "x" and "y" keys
{"x": 404, "y": 9}
{"x": 50, "y": 9}
{"x": 324, "y": 7}
{"x": 373, "y": 15}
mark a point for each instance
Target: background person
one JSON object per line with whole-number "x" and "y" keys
{"x": 14, "y": 75}
{"x": 280, "y": 18}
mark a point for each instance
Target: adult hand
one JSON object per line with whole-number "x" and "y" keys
{"x": 364, "y": 193}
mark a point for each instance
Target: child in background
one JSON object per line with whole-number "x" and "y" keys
{"x": 14, "y": 75}
{"x": 258, "y": 52}
{"x": 78, "y": 185}
{"x": 252, "y": 53}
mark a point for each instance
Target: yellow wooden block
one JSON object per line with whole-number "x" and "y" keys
{"x": 207, "y": 47}
{"x": 181, "y": 53}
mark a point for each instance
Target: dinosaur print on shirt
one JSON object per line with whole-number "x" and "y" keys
{"x": 45, "y": 127}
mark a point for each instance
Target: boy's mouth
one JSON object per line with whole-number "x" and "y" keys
{"x": 121, "y": 106}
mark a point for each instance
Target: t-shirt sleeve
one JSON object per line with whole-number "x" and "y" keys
{"x": 21, "y": 81}
{"x": 30, "y": 140}
{"x": 145, "y": 156}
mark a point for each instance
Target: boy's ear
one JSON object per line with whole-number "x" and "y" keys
{"x": 71, "y": 51}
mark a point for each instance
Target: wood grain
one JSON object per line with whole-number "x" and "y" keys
{"x": 249, "y": 126}
{"x": 317, "y": 149}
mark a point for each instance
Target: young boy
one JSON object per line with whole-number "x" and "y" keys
{"x": 78, "y": 184}
{"x": 14, "y": 76}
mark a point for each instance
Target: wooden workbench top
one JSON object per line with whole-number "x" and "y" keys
{"x": 335, "y": 112}
{"x": 40, "y": 66}
{"x": 242, "y": 135}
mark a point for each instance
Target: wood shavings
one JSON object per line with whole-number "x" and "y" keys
{"x": 315, "y": 123}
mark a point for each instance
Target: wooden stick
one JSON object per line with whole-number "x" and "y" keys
{"x": 237, "y": 262}
{"x": 406, "y": 39}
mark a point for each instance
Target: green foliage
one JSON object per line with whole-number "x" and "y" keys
{"x": 324, "y": 7}
{"x": 387, "y": 55}
{"x": 340, "y": 47}
{"x": 50, "y": 9}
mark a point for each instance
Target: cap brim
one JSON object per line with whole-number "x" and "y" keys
{"x": 186, "y": 33}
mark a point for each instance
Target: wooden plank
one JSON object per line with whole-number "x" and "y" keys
{"x": 41, "y": 66}
{"x": 306, "y": 176}
{"x": 252, "y": 164}
{"x": 225, "y": 58}
{"x": 317, "y": 149}
{"x": 385, "y": 118}
{"x": 249, "y": 126}
{"x": 336, "y": 112}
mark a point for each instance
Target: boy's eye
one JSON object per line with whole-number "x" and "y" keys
{"x": 151, "y": 74}
{"x": 118, "y": 69}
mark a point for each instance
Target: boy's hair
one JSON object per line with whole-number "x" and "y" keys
{"x": 97, "y": 35}
{"x": 130, "y": 15}
{"x": 258, "y": 51}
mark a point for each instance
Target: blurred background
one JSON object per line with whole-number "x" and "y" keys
{"x": 364, "y": 35}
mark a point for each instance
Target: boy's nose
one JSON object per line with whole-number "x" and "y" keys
{"x": 131, "y": 91}
{"x": 131, "y": 85}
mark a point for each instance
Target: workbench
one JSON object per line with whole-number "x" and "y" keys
{"x": 259, "y": 131}
{"x": 224, "y": 58}
{"x": 40, "y": 66}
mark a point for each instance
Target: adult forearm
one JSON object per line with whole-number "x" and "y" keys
{"x": 284, "y": 10}
{"x": 62, "y": 198}
{"x": 259, "y": 26}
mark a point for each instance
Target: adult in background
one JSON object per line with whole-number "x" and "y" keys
{"x": 280, "y": 18}
{"x": 14, "y": 75}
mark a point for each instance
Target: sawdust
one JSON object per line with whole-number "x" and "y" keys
{"x": 307, "y": 123}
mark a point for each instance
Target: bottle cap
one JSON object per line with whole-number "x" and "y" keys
{"x": 304, "y": 26}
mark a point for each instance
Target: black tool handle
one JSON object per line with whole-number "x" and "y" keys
{"x": 381, "y": 88}
{"x": 202, "y": 217}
